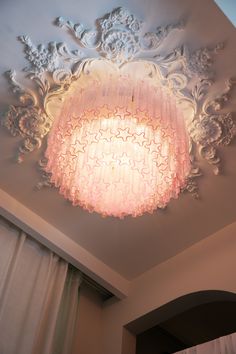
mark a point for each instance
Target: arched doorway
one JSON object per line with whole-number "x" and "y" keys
{"x": 184, "y": 322}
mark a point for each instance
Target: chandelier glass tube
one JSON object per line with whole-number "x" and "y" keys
{"x": 119, "y": 147}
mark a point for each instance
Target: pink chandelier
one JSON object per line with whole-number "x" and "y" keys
{"x": 119, "y": 147}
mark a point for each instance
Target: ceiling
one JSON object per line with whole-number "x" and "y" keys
{"x": 133, "y": 245}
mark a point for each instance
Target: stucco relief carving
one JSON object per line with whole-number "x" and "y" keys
{"x": 118, "y": 37}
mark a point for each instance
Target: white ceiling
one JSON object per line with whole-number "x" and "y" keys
{"x": 130, "y": 246}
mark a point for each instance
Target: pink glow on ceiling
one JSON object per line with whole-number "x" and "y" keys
{"x": 119, "y": 148}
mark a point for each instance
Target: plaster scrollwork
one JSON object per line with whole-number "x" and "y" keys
{"x": 52, "y": 76}
{"x": 119, "y": 38}
{"x": 47, "y": 58}
{"x": 118, "y": 35}
{"x": 45, "y": 180}
{"x": 30, "y": 123}
{"x": 199, "y": 62}
{"x": 213, "y": 127}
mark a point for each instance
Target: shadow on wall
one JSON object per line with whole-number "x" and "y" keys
{"x": 187, "y": 321}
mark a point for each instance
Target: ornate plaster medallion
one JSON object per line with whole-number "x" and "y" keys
{"x": 122, "y": 49}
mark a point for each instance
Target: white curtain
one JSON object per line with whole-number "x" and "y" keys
{"x": 223, "y": 345}
{"x": 38, "y": 296}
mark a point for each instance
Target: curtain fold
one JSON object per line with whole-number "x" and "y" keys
{"x": 38, "y": 296}
{"x": 222, "y": 345}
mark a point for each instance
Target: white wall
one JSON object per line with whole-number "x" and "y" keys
{"x": 88, "y": 333}
{"x": 208, "y": 265}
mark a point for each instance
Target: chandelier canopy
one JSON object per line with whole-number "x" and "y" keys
{"x": 119, "y": 147}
